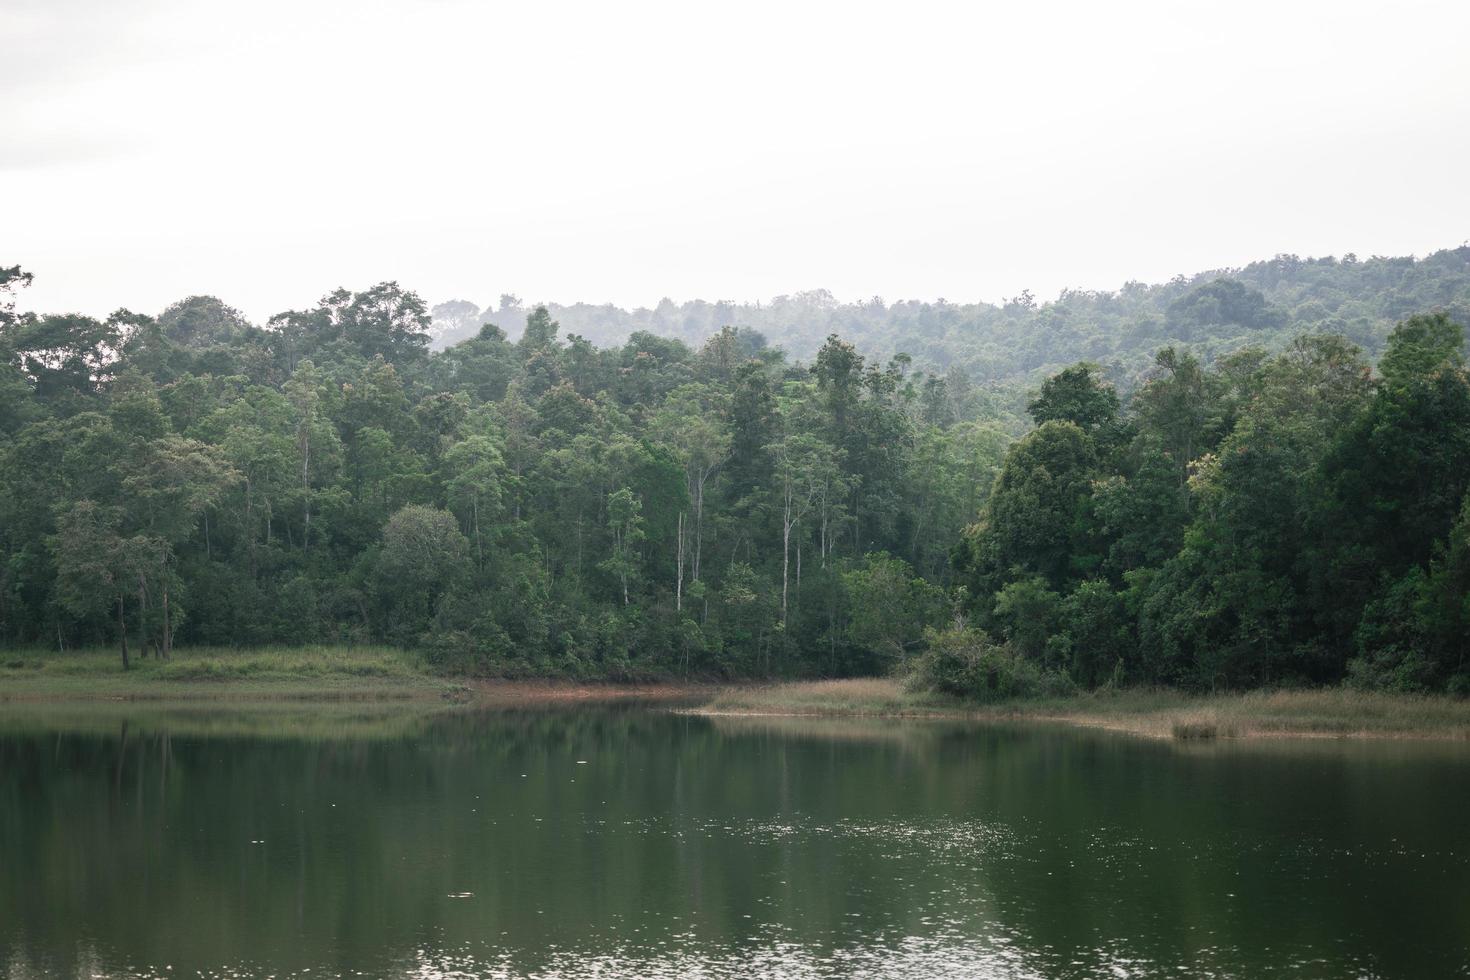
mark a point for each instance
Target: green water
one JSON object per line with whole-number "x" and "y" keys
{"x": 634, "y": 843}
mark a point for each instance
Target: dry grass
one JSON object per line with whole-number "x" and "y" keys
{"x": 855, "y": 696}
{"x": 1153, "y": 713}
{"x": 559, "y": 692}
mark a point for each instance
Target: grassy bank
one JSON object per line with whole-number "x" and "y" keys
{"x": 1158, "y": 714}
{"x": 308, "y": 673}
{"x": 254, "y": 677}
{"x": 872, "y": 696}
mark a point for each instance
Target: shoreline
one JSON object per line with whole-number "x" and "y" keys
{"x": 378, "y": 676}
{"x": 1141, "y": 730}
{"x": 1328, "y": 713}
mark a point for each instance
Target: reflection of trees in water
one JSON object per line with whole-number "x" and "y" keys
{"x": 679, "y": 828}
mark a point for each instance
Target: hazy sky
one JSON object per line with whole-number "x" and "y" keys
{"x": 269, "y": 151}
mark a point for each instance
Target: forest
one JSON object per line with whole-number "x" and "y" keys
{"x": 1241, "y": 480}
{"x": 1021, "y": 341}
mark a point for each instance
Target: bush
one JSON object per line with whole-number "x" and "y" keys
{"x": 1404, "y": 673}
{"x": 473, "y": 645}
{"x": 965, "y": 663}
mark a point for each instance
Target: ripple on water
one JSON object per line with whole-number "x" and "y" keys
{"x": 945, "y": 838}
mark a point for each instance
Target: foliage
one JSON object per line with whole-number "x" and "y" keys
{"x": 1278, "y": 519}
{"x": 965, "y": 663}
{"x": 991, "y": 355}
{"x": 531, "y": 508}
{"x": 1221, "y": 494}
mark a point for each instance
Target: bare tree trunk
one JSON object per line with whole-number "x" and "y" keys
{"x": 785, "y": 565}
{"x": 168, "y": 632}
{"x": 306, "y": 489}
{"x": 479, "y": 547}
{"x": 698, "y": 523}
{"x": 142, "y": 617}
{"x": 822, "y": 546}
{"x": 122, "y": 631}
{"x": 679, "y": 573}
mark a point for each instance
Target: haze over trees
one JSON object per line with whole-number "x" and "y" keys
{"x": 1023, "y": 340}
{"x": 1205, "y": 484}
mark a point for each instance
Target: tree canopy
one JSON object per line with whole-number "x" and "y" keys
{"x": 1238, "y": 509}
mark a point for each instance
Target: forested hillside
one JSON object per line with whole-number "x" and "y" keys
{"x": 542, "y": 506}
{"x": 1265, "y": 304}
{"x": 1243, "y": 509}
{"x": 1281, "y": 518}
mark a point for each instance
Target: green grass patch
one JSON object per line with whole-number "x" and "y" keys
{"x": 327, "y": 672}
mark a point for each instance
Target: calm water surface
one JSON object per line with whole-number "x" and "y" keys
{"x": 632, "y": 843}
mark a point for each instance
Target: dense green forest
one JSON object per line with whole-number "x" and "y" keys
{"x": 537, "y": 507}
{"x": 1282, "y": 518}
{"x": 1226, "y": 494}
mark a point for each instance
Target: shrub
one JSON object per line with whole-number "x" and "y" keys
{"x": 1397, "y": 671}
{"x": 965, "y": 663}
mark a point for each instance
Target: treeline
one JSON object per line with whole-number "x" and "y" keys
{"x": 536, "y": 507}
{"x": 1021, "y": 341}
{"x": 549, "y": 507}
{"x": 1279, "y": 519}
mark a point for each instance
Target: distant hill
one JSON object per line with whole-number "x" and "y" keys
{"x": 1263, "y": 304}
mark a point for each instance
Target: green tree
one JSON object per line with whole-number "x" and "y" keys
{"x": 88, "y": 555}
{"x": 1422, "y": 346}
{"x": 423, "y": 558}
{"x": 1033, "y": 522}
{"x": 625, "y": 523}
{"x": 890, "y": 607}
{"x": 474, "y": 479}
{"x": 804, "y": 467}
{"x": 1076, "y": 395}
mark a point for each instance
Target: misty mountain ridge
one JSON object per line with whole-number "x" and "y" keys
{"x": 1263, "y": 304}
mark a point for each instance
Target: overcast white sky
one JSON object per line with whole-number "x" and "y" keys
{"x": 268, "y": 151}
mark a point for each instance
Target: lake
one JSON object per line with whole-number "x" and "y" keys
{"x": 630, "y": 842}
